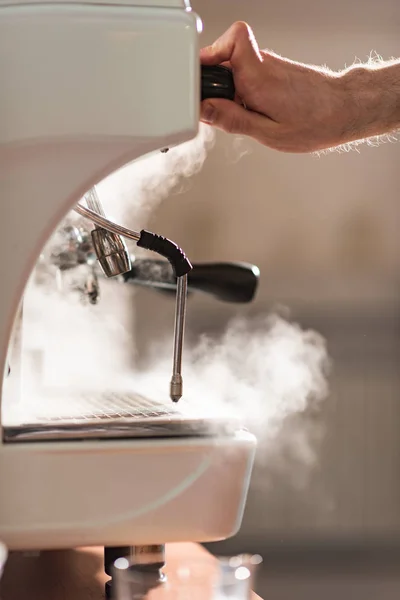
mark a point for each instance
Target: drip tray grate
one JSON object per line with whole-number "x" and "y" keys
{"x": 108, "y": 416}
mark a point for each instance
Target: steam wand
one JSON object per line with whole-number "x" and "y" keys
{"x": 181, "y": 266}
{"x": 176, "y": 387}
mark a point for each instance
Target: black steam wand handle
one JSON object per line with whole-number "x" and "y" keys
{"x": 181, "y": 266}
{"x": 234, "y": 282}
{"x": 217, "y": 82}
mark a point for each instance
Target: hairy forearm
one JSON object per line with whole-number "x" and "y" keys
{"x": 371, "y": 99}
{"x": 295, "y": 107}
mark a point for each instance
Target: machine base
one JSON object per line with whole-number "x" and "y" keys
{"x": 59, "y": 495}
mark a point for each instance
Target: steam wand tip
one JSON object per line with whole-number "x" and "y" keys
{"x": 176, "y": 387}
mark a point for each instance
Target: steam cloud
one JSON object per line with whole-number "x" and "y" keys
{"x": 140, "y": 186}
{"x": 263, "y": 372}
{"x": 260, "y": 372}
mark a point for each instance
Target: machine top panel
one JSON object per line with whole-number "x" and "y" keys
{"x": 135, "y": 3}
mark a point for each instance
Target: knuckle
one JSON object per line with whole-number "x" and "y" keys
{"x": 240, "y": 28}
{"x": 237, "y": 125}
{"x": 242, "y": 31}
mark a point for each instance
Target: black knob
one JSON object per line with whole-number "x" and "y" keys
{"x": 228, "y": 282}
{"x": 217, "y": 82}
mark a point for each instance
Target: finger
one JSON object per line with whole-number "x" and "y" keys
{"x": 236, "y": 44}
{"x": 237, "y": 98}
{"x": 233, "y": 118}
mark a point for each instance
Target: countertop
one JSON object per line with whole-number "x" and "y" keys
{"x": 78, "y": 574}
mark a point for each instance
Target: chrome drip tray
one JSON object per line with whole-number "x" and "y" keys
{"x": 109, "y": 416}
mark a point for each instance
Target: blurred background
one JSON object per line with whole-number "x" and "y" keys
{"x": 324, "y": 232}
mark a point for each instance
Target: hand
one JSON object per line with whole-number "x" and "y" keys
{"x": 285, "y": 105}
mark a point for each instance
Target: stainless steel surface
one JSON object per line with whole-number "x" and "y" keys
{"x": 145, "y": 565}
{"x": 176, "y": 387}
{"x": 70, "y": 247}
{"x": 130, "y": 582}
{"x": 108, "y": 416}
{"x": 148, "y": 555}
{"x": 112, "y": 252}
{"x": 93, "y": 202}
{"x": 106, "y": 224}
{"x": 91, "y": 287}
{"x": 110, "y": 248}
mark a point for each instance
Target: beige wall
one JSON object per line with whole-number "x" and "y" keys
{"x": 333, "y": 217}
{"x": 324, "y": 232}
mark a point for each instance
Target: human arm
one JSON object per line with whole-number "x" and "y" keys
{"x": 294, "y": 107}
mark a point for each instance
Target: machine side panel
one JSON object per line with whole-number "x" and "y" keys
{"x": 85, "y": 90}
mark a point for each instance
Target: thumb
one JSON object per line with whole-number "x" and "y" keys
{"x": 234, "y": 118}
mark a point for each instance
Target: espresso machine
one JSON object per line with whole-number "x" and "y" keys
{"x": 86, "y": 89}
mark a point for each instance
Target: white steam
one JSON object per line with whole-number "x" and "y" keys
{"x": 76, "y": 345}
{"x": 259, "y": 372}
{"x": 262, "y": 372}
{"x": 136, "y": 190}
